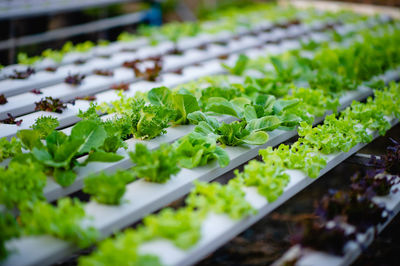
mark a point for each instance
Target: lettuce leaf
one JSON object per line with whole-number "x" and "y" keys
{"x": 222, "y": 199}
{"x": 108, "y": 189}
{"x": 239, "y": 67}
{"x": 157, "y": 165}
{"x": 63, "y": 221}
{"x": 181, "y": 101}
{"x": 269, "y": 179}
{"x": 59, "y": 152}
{"x": 9, "y": 149}
{"x": 21, "y": 182}
{"x": 196, "y": 150}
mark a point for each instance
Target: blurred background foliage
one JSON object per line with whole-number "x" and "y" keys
{"x": 161, "y": 11}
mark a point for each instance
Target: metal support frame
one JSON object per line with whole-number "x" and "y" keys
{"x": 24, "y": 11}
{"x": 99, "y": 25}
{"x": 103, "y": 23}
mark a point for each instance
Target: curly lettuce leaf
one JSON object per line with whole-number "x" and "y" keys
{"x": 196, "y": 150}
{"x": 182, "y": 101}
{"x": 269, "y": 179}
{"x": 155, "y": 165}
{"x": 108, "y": 188}
{"x": 9, "y": 149}
{"x": 45, "y": 125}
{"x": 228, "y": 199}
{"x": 21, "y": 182}
{"x": 63, "y": 221}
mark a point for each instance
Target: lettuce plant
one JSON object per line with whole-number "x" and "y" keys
{"x": 36, "y": 91}
{"x": 232, "y": 134}
{"x": 120, "y": 250}
{"x": 9, "y": 229}
{"x": 297, "y": 156}
{"x": 11, "y": 120}
{"x": 117, "y": 129}
{"x": 355, "y": 208}
{"x": 21, "y": 183}
{"x": 182, "y": 227}
{"x": 22, "y": 74}
{"x": 390, "y": 161}
{"x": 108, "y": 189}
{"x": 227, "y": 92}
{"x": 374, "y": 183}
{"x": 3, "y": 99}
{"x": 45, "y": 125}
{"x": 74, "y": 80}
{"x": 64, "y": 221}
{"x": 264, "y": 109}
{"x": 236, "y": 133}
{"x": 196, "y": 150}
{"x": 269, "y": 179}
{"x": 59, "y": 152}
{"x": 142, "y": 120}
{"x": 239, "y": 67}
{"x": 316, "y": 101}
{"x": 157, "y": 165}
{"x": 50, "y": 104}
{"x": 148, "y": 73}
{"x": 9, "y": 149}
{"x": 149, "y": 121}
{"x": 181, "y": 101}
{"x": 229, "y": 199}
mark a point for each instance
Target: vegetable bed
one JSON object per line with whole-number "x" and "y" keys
{"x": 144, "y": 131}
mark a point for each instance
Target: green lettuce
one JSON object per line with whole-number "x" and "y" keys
{"x": 196, "y": 150}
{"x": 9, "y": 229}
{"x": 63, "y": 221}
{"x": 181, "y": 101}
{"x": 21, "y": 183}
{"x": 108, "y": 188}
{"x": 149, "y": 121}
{"x": 232, "y": 134}
{"x": 239, "y": 67}
{"x": 59, "y": 152}
{"x": 45, "y": 125}
{"x": 9, "y": 149}
{"x": 269, "y": 179}
{"x": 229, "y": 199}
{"x": 157, "y": 165}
